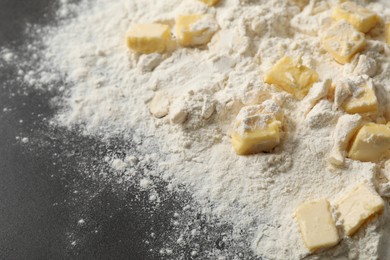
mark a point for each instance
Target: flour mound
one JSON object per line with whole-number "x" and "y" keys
{"x": 203, "y": 90}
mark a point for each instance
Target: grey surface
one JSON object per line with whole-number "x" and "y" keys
{"x": 43, "y": 191}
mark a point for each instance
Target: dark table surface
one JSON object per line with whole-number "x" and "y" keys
{"x": 49, "y": 209}
{"x": 52, "y": 203}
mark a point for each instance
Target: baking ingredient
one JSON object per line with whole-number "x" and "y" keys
{"x": 316, "y": 224}
{"x": 159, "y": 106}
{"x": 300, "y": 3}
{"x": 317, "y": 92}
{"x": 257, "y": 128}
{"x": 109, "y": 93}
{"x": 365, "y": 66}
{"x": 292, "y": 77}
{"x": 357, "y": 206}
{"x": 148, "y": 38}
{"x": 346, "y": 128}
{"x": 387, "y": 33}
{"x": 343, "y": 41}
{"x": 356, "y": 95}
{"x": 371, "y": 143}
{"x": 195, "y": 29}
{"x": 210, "y": 2}
{"x": 359, "y": 17}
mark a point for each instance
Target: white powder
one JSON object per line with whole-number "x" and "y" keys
{"x": 256, "y": 117}
{"x": 203, "y": 90}
{"x": 7, "y": 55}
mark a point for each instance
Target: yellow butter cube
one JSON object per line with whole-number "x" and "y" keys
{"x": 363, "y": 99}
{"x": 356, "y": 207}
{"x": 210, "y": 2}
{"x": 195, "y": 29}
{"x": 387, "y": 33}
{"x": 292, "y": 77}
{"x": 359, "y": 17}
{"x": 343, "y": 41}
{"x": 331, "y": 92}
{"x": 346, "y": 128}
{"x": 316, "y": 224}
{"x": 300, "y": 3}
{"x": 148, "y": 38}
{"x": 371, "y": 143}
{"x": 256, "y": 141}
{"x": 257, "y": 128}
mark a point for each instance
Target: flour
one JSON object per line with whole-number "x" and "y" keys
{"x": 7, "y": 55}
{"x": 186, "y": 101}
{"x": 257, "y": 116}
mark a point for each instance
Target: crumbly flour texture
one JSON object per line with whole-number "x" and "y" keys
{"x": 186, "y": 101}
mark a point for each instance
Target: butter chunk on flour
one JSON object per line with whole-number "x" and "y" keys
{"x": 371, "y": 143}
{"x": 316, "y": 224}
{"x": 387, "y": 33}
{"x": 292, "y": 77}
{"x": 257, "y": 128}
{"x": 210, "y": 2}
{"x": 356, "y": 207}
{"x": 148, "y": 38}
{"x": 359, "y": 17}
{"x": 195, "y": 29}
{"x": 363, "y": 98}
{"x": 343, "y": 41}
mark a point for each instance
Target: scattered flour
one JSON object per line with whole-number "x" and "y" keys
{"x": 7, "y": 55}
{"x": 186, "y": 101}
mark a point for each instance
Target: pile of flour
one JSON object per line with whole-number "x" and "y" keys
{"x": 204, "y": 89}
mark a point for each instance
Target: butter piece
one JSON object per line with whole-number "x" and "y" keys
{"x": 316, "y": 224}
{"x": 210, "y": 2}
{"x": 356, "y": 207}
{"x": 387, "y": 33}
{"x": 291, "y": 77}
{"x": 359, "y": 17}
{"x": 257, "y": 128}
{"x": 195, "y": 29}
{"x": 148, "y": 38}
{"x": 371, "y": 143}
{"x": 346, "y": 127}
{"x": 343, "y": 41}
{"x": 362, "y": 98}
{"x": 300, "y": 3}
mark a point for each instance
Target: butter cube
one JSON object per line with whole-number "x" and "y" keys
{"x": 387, "y": 33}
{"x": 362, "y": 99}
{"x": 343, "y": 41}
{"x": 210, "y": 2}
{"x": 346, "y": 128}
{"x": 371, "y": 143}
{"x": 356, "y": 207}
{"x": 148, "y": 38}
{"x": 257, "y": 128}
{"x": 300, "y": 3}
{"x": 359, "y": 17}
{"x": 291, "y": 77}
{"x": 316, "y": 224}
{"x": 195, "y": 29}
